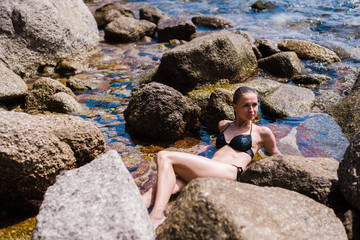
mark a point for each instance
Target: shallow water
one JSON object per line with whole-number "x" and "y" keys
{"x": 115, "y": 70}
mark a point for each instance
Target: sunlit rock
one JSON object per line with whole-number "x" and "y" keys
{"x": 213, "y": 22}
{"x": 97, "y": 201}
{"x": 172, "y": 28}
{"x": 309, "y": 51}
{"x": 35, "y": 148}
{"x": 282, "y": 64}
{"x": 210, "y": 208}
{"x": 109, "y": 12}
{"x": 12, "y": 86}
{"x": 152, "y": 14}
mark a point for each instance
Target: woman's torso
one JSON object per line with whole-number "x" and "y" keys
{"x": 227, "y": 154}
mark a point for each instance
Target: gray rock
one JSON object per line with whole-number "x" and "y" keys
{"x": 349, "y": 173}
{"x": 346, "y": 111}
{"x": 12, "y": 85}
{"x": 213, "y": 22}
{"x": 206, "y": 60}
{"x": 35, "y": 148}
{"x": 164, "y": 112}
{"x": 283, "y": 64}
{"x": 125, "y": 29}
{"x": 223, "y": 209}
{"x": 309, "y": 51}
{"x": 218, "y": 108}
{"x": 288, "y": 101}
{"x": 152, "y": 14}
{"x": 306, "y": 79}
{"x": 171, "y": 28}
{"x": 266, "y": 47}
{"x": 313, "y": 177}
{"x": 76, "y": 84}
{"x": 246, "y": 35}
{"x": 97, "y": 201}
{"x": 109, "y": 12}
{"x": 37, "y": 31}
{"x": 40, "y": 97}
{"x": 64, "y": 103}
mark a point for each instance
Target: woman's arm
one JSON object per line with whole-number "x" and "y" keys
{"x": 269, "y": 142}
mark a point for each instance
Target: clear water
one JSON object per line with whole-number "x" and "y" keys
{"x": 115, "y": 71}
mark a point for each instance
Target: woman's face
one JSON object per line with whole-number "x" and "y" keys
{"x": 247, "y": 106}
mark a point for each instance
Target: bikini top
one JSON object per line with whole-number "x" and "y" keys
{"x": 242, "y": 142}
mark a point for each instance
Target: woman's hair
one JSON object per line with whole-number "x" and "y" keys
{"x": 240, "y": 91}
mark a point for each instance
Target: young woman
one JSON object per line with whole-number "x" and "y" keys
{"x": 236, "y": 144}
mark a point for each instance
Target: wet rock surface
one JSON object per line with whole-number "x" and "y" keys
{"x": 212, "y": 22}
{"x": 283, "y": 64}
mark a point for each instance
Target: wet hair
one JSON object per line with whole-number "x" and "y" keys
{"x": 240, "y": 91}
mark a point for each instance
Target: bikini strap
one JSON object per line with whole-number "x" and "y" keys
{"x": 226, "y": 127}
{"x": 251, "y": 128}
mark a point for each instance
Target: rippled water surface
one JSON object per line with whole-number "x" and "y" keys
{"x": 116, "y": 69}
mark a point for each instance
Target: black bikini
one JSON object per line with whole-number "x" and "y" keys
{"x": 242, "y": 142}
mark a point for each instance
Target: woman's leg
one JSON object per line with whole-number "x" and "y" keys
{"x": 187, "y": 166}
{"x": 149, "y": 196}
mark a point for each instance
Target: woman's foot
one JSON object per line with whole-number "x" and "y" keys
{"x": 157, "y": 218}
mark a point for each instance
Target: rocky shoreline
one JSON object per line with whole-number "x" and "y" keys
{"x": 288, "y": 196}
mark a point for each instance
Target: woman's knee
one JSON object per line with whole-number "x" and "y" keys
{"x": 162, "y": 157}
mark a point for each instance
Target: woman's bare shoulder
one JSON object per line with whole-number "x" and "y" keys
{"x": 263, "y": 130}
{"x": 223, "y": 124}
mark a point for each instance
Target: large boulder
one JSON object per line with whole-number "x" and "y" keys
{"x": 160, "y": 112}
{"x": 109, "y": 12}
{"x": 35, "y": 31}
{"x": 346, "y": 112}
{"x": 223, "y": 209}
{"x": 126, "y": 29}
{"x": 207, "y": 59}
{"x": 313, "y": 177}
{"x": 282, "y": 64}
{"x": 35, "y": 148}
{"x": 173, "y": 28}
{"x": 349, "y": 172}
{"x": 12, "y": 85}
{"x": 97, "y": 201}
{"x": 288, "y": 101}
{"x": 309, "y": 51}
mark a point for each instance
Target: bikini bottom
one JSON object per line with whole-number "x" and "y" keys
{"x": 240, "y": 170}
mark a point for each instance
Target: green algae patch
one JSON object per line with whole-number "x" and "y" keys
{"x": 19, "y": 231}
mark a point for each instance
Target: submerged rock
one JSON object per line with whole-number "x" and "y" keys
{"x": 97, "y": 201}
{"x": 35, "y": 31}
{"x": 125, "y": 29}
{"x": 224, "y": 209}
{"x": 206, "y": 60}
{"x": 309, "y": 51}
{"x": 160, "y": 112}
{"x": 35, "y": 148}
{"x": 288, "y": 101}
{"x": 307, "y": 79}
